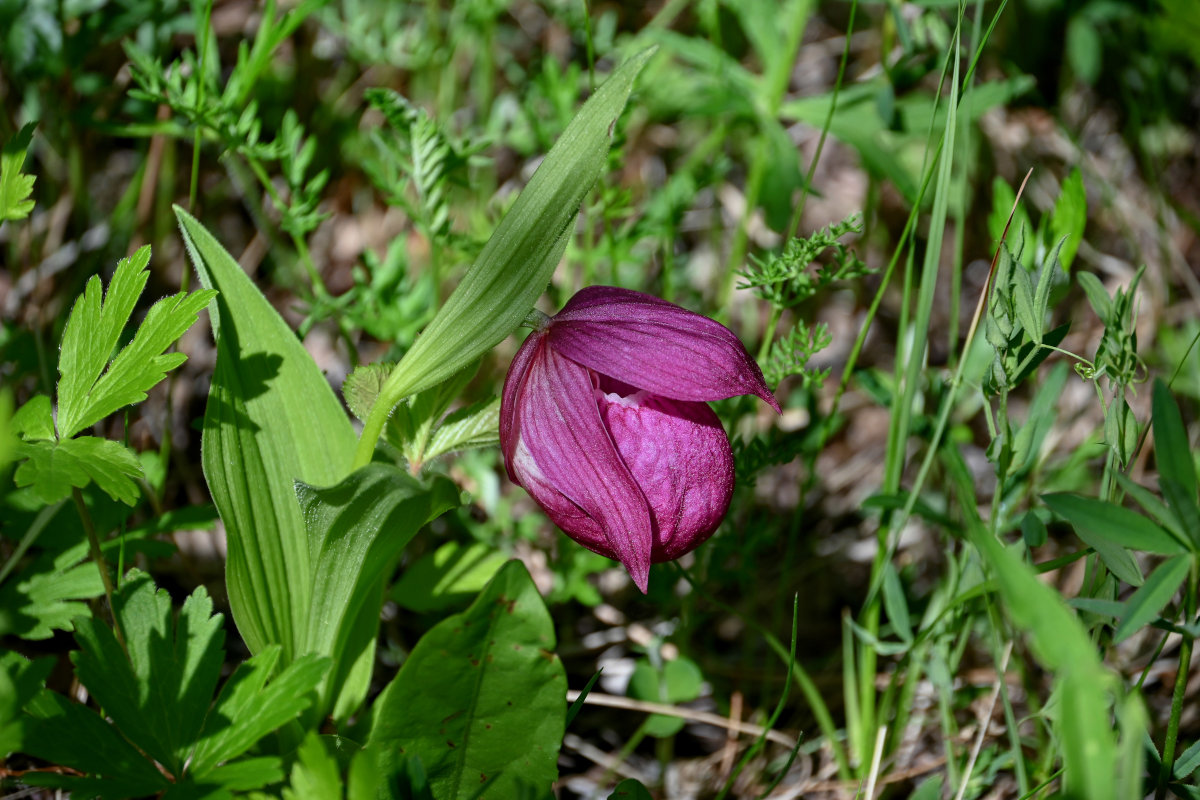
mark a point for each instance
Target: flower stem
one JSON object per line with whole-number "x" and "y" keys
{"x": 98, "y": 557}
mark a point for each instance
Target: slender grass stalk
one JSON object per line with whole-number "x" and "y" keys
{"x": 202, "y": 85}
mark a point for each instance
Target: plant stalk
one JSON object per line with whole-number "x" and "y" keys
{"x": 101, "y": 564}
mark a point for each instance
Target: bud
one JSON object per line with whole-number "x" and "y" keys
{"x": 604, "y": 420}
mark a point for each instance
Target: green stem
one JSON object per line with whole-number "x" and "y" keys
{"x": 1181, "y": 680}
{"x": 98, "y": 557}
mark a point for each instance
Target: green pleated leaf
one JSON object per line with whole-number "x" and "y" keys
{"x": 519, "y": 258}
{"x": 356, "y": 533}
{"x": 272, "y": 419}
{"x": 1144, "y": 604}
{"x": 494, "y": 667}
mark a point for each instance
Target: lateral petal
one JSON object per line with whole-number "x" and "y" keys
{"x": 558, "y": 421}
{"x": 654, "y": 345}
{"x": 514, "y": 381}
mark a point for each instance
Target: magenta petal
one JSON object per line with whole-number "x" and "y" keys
{"x": 655, "y": 345}
{"x": 557, "y": 422}
{"x": 514, "y": 381}
{"x": 679, "y": 455}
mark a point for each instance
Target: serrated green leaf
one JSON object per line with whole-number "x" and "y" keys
{"x": 92, "y": 333}
{"x": 1096, "y": 520}
{"x": 315, "y": 775}
{"x": 35, "y": 419}
{"x": 1177, "y": 471}
{"x": 356, "y": 533}
{"x": 1069, "y": 217}
{"x": 477, "y": 425}
{"x": 157, "y": 688}
{"x": 142, "y": 364}
{"x": 494, "y": 665}
{"x": 248, "y": 708}
{"x": 515, "y": 265}
{"x": 1144, "y": 604}
{"x": 362, "y": 386}
{"x": 15, "y": 187}
{"x": 417, "y": 419}
{"x": 20, "y": 681}
{"x": 271, "y": 419}
{"x": 53, "y": 468}
{"x": 44, "y": 600}
{"x": 71, "y": 735}
{"x": 246, "y": 774}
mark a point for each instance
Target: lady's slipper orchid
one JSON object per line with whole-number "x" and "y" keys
{"x": 604, "y": 421}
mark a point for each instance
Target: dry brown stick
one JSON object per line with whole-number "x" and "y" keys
{"x": 690, "y": 714}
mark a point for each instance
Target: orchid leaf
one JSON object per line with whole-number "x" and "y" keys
{"x": 356, "y": 533}
{"x": 494, "y": 664}
{"x": 272, "y": 419}
{"x": 515, "y": 265}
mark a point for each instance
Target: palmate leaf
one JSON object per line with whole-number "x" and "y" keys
{"x": 85, "y": 396}
{"x": 53, "y": 468}
{"x": 248, "y": 708}
{"x": 47, "y": 593}
{"x": 157, "y": 694}
{"x": 15, "y": 186}
{"x": 493, "y": 665}
{"x": 20, "y": 681}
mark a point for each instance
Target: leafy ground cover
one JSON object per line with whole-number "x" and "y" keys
{"x": 265, "y": 267}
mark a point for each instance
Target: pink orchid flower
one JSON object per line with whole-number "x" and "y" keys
{"x": 604, "y": 420}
